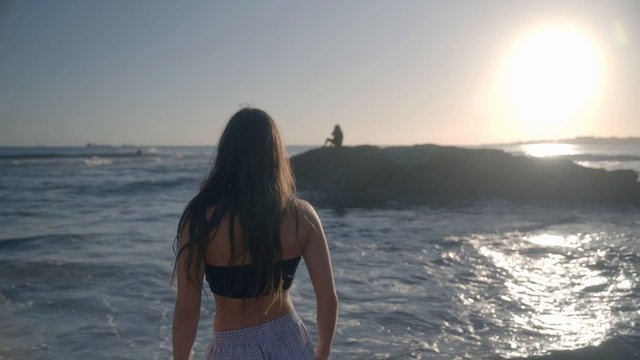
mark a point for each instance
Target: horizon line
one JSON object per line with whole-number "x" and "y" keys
{"x": 587, "y": 138}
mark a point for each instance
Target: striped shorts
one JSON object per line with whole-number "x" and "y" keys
{"x": 284, "y": 338}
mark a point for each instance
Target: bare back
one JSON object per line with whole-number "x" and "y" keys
{"x": 240, "y": 313}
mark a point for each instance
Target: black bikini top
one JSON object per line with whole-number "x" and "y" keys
{"x": 234, "y": 281}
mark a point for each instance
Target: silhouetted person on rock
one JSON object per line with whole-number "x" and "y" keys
{"x": 337, "y": 137}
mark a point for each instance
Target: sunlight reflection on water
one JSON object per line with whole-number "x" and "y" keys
{"x": 553, "y": 240}
{"x": 548, "y": 149}
{"x": 558, "y": 290}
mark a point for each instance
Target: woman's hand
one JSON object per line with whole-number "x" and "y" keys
{"x": 321, "y": 357}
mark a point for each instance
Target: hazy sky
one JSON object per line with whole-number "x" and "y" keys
{"x": 389, "y": 72}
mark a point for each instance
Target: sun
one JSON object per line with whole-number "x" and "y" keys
{"x": 551, "y": 75}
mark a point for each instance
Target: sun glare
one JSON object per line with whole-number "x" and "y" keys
{"x": 551, "y": 75}
{"x": 548, "y": 149}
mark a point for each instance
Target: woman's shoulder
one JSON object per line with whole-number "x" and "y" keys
{"x": 306, "y": 215}
{"x": 304, "y": 208}
{"x": 302, "y": 204}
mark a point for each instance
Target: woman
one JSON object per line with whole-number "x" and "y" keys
{"x": 245, "y": 231}
{"x": 337, "y": 137}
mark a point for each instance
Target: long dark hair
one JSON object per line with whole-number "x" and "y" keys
{"x": 250, "y": 181}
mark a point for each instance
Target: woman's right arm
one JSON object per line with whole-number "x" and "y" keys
{"x": 186, "y": 313}
{"x": 316, "y": 257}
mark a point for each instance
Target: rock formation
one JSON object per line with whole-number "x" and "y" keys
{"x": 443, "y": 175}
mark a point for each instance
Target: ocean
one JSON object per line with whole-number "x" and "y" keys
{"x": 86, "y": 264}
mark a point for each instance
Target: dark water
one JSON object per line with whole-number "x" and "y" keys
{"x": 86, "y": 261}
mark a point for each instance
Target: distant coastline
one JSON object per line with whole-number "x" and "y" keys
{"x": 577, "y": 140}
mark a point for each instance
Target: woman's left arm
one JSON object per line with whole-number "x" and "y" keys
{"x": 187, "y": 308}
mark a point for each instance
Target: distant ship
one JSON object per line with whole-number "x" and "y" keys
{"x": 98, "y": 145}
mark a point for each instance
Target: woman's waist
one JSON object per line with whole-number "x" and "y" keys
{"x": 233, "y": 314}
